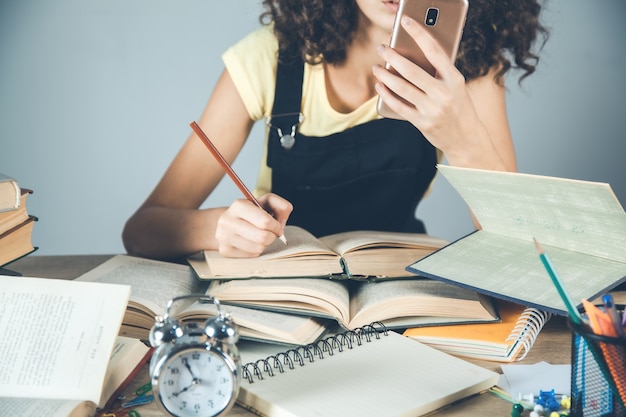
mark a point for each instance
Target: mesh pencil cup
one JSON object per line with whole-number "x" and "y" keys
{"x": 598, "y": 381}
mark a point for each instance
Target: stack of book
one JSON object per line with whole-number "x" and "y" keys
{"x": 16, "y": 224}
{"x": 409, "y": 378}
{"x": 352, "y": 278}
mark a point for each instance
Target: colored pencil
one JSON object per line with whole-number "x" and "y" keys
{"x": 229, "y": 170}
{"x": 571, "y": 308}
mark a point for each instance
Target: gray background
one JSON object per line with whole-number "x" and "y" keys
{"x": 96, "y": 97}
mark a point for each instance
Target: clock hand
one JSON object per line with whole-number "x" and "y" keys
{"x": 194, "y": 381}
{"x": 186, "y": 363}
{"x": 176, "y": 394}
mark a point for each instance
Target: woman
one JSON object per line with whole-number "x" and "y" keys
{"x": 347, "y": 168}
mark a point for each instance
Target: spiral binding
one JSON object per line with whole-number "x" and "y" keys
{"x": 527, "y": 328}
{"x": 299, "y": 355}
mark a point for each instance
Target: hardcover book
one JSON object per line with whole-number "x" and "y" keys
{"x": 580, "y": 224}
{"x": 11, "y": 218}
{"x": 353, "y": 255}
{"x": 17, "y": 241}
{"x": 396, "y": 303}
{"x": 9, "y": 193}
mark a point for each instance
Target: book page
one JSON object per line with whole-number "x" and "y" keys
{"x": 127, "y": 354}
{"x": 153, "y": 283}
{"x": 260, "y": 324}
{"x": 303, "y": 256}
{"x": 378, "y": 301}
{"x": 345, "y": 242}
{"x": 381, "y": 254}
{"x": 313, "y": 295}
{"x": 57, "y": 336}
{"x": 402, "y": 376}
{"x": 302, "y": 265}
{"x": 35, "y": 407}
{"x": 580, "y": 216}
{"x": 383, "y": 263}
{"x": 300, "y": 242}
{"x": 510, "y": 268}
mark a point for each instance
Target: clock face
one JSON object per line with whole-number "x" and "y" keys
{"x": 196, "y": 382}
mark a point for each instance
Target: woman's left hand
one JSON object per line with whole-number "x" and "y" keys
{"x": 440, "y": 106}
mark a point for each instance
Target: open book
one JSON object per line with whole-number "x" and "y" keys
{"x": 396, "y": 303}
{"x": 128, "y": 357}
{"x": 580, "y": 224}
{"x": 349, "y": 254}
{"x": 57, "y": 344}
{"x": 154, "y": 283}
{"x": 362, "y": 373}
{"x": 508, "y": 340}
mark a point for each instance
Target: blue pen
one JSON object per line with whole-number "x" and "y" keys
{"x": 609, "y": 305}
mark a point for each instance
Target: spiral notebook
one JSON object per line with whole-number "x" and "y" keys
{"x": 364, "y": 372}
{"x": 506, "y": 341}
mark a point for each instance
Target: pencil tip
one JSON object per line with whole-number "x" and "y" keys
{"x": 538, "y": 246}
{"x": 283, "y": 239}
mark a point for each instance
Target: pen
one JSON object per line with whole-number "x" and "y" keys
{"x": 601, "y": 324}
{"x": 220, "y": 159}
{"x": 609, "y": 305}
{"x": 573, "y": 312}
{"x": 599, "y": 321}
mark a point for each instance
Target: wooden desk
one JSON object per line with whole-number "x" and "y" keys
{"x": 552, "y": 345}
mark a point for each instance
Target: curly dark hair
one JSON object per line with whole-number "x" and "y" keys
{"x": 497, "y": 33}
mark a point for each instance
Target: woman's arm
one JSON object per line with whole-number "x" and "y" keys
{"x": 169, "y": 223}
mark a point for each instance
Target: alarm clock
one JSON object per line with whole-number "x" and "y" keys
{"x": 195, "y": 369}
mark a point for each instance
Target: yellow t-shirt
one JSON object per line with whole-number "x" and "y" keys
{"x": 252, "y": 64}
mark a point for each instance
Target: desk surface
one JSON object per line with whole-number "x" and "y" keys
{"x": 552, "y": 345}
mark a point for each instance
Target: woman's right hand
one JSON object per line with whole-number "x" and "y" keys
{"x": 244, "y": 230}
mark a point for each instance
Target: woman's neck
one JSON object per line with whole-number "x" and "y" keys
{"x": 351, "y": 83}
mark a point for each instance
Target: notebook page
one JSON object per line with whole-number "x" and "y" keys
{"x": 404, "y": 378}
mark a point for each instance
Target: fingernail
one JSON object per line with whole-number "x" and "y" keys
{"x": 380, "y": 49}
{"x": 406, "y": 20}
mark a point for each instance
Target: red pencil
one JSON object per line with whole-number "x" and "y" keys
{"x": 226, "y": 166}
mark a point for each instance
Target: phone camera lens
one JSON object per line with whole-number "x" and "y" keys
{"x": 431, "y": 16}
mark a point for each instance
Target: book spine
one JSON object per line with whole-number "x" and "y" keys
{"x": 527, "y": 328}
{"x": 299, "y": 355}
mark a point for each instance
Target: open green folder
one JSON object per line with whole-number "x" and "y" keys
{"x": 580, "y": 224}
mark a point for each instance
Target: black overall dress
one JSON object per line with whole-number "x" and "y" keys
{"x": 368, "y": 177}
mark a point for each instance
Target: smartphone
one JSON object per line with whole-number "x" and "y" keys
{"x": 444, "y": 19}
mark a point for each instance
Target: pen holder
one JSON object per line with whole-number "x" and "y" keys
{"x": 598, "y": 379}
